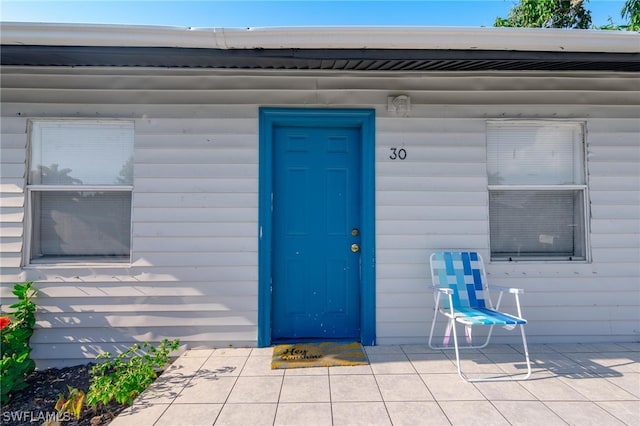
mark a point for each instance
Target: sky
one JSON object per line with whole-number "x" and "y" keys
{"x": 264, "y": 13}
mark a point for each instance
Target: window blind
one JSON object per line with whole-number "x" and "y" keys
{"x": 534, "y": 154}
{"x": 81, "y": 223}
{"x": 536, "y": 190}
{"x": 76, "y": 153}
{"x": 536, "y": 223}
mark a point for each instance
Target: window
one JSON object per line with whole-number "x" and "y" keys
{"x": 537, "y": 190}
{"x": 79, "y": 191}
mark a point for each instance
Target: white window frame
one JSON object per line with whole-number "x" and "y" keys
{"x": 94, "y": 261}
{"x": 560, "y": 187}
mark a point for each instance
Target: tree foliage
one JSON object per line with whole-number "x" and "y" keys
{"x": 631, "y": 11}
{"x": 547, "y": 14}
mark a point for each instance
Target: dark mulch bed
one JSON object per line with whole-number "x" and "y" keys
{"x": 32, "y": 405}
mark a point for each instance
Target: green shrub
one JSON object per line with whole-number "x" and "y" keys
{"x": 17, "y": 329}
{"x": 125, "y": 377}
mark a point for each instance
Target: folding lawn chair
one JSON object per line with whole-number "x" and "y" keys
{"x": 461, "y": 277}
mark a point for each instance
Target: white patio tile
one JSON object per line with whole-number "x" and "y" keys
{"x": 163, "y": 390}
{"x": 260, "y": 366}
{"x": 583, "y": 413}
{"x": 572, "y": 347}
{"x": 308, "y": 371}
{"x": 185, "y": 366}
{"x": 504, "y": 391}
{"x": 247, "y": 414}
{"x": 607, "y": 347}
{"x": 360, "y": 413}
{"x": 416, "y": 414}
{"x": 513, "y": 364}
{"x": 140, "y": 415}
{"x": 295, "y": 414}
{"x": 392, "y": 363}
{"x": 548, "y": 387}
{"x": 223, "y": 366}
{"x": 502, "y": 349}
{"x": 350, "y": 369}
{"x": 262, "y": 351}
{"x": 256, "y": 389}
{"x": 626, "y": 411}
{"x": 450, "y": 387}
{"x": 419, "y": 349}
{"x": 611, "y": 362}
{"x": 451, "y": 353}
{"x": 531, "y": 413}
{"x": 473, "y": 413}
{"x": 557, "y": 364}
{"x": 507, "y": 357}
{"x": 305, "y": 389}
{"x": 568, "y": 390}
{"x": 206, "y": 390}
{"x": 598, "y": 363}
{"x": 233, "y": 352}
{"x": 352, "y": 388}
{"x": 540, "y": 348}
{"x": 628, "y": 381}
{"x": 478, "y": 365}
{"x": 383, "y": 349}
{"x": 431, "y": 363}
{"x": 630, "y": 346}
{"x": 189, "y": 415}
{"x": 198, "y": 353}
{"x": 595, "y": 388}
{"x": 569, "y": 348}
{"x": 403, "y": 387}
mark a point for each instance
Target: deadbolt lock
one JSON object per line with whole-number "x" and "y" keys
{"x": 355, "y": 232}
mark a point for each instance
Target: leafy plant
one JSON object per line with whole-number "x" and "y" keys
{"x": 15, "y": 333}
{"x": 67, "y": 407}
{"x": 71, "y": 404}
{"x": 124, "y": 377}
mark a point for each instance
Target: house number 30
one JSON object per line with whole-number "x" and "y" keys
{"x": 398, "y": 154}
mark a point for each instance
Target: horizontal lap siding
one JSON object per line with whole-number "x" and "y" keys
{"x": 12, "y": 183}
{"x": 435, "y": 198}
{"x": 194, "y": 272}
{"x": 602, "y": 297}
{"x": 444, "y": 205}
{"x": 195, "y": 207}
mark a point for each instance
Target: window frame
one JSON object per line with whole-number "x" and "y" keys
{"x": 32, "y": 189}
{"x": 584, "y": 188}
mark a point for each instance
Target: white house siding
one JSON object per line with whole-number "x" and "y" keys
{"x": 194, "y": 270}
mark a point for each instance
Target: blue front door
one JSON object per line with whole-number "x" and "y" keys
{"x": 316, "y": 233}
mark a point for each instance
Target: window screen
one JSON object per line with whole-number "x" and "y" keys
{"x": 80, "y": 183}
{"x": 536, "y": 191}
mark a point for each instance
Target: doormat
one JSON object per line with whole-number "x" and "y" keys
{"x": 322, "y": 354}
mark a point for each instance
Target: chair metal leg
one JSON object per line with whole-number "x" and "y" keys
{"x": 493, "y": 379}
{"x": 451, "y": 325}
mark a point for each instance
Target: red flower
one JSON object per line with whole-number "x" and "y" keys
{"x": 4, "y": 321}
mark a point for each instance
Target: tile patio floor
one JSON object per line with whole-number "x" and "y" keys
{"x": 575, "y": 384}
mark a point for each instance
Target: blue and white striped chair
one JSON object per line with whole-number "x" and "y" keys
{"x": 460, "y": 277}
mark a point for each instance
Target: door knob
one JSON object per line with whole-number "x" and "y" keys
{"x": 355, "y": 248}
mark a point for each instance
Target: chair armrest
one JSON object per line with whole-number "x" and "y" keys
{"x": 442, "y": 290}
{"x": 512, "y": 290}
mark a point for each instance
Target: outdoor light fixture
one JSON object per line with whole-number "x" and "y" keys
{"x": 399, "y": 105}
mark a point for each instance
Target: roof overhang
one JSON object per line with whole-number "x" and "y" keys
{"x": 352, "y": 48}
